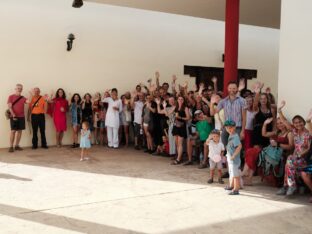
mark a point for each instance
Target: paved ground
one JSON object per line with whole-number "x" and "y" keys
{"x": 126, "y": 191}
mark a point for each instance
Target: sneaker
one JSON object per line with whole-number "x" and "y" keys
{"x": 82, "y": 159}
{"x": 17, "y": 147}
{"x": 73, "y": 145}
{"x": 234, "y": 192}
{"x": 210, "y": 181}
{"x": 282, "y": 191}
{"x": 11, "y": 150}
{"x": 202, "y": 166}
{"x": 34, "y": 147}
{"x": 220, "y": 181}
{"x": 291, "y": 191}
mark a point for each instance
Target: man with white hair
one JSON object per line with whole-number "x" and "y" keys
{"x": 16, "y": 103}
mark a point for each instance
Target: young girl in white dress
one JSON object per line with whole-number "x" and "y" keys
{"x": 85, "y": 141}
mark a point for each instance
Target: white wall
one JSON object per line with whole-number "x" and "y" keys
{"x": 294, "y": 82}
{"x": 115, "y": 47}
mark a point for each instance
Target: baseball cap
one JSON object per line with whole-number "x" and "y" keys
{"x": 229, "y": 123}
{"x": 198, "y": 112}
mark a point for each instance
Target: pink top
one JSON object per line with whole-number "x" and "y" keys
{"x": 18, "y": 108}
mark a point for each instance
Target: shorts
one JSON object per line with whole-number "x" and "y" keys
{"x": 137, "y": 129}
{"x": 214, "y": 165}
{"x": 145, "y": 124}
{"x": 101, "y": 124}
{"x": 234, "y": 170}
{"x": 17, "y": 124}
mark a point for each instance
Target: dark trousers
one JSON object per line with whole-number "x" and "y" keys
{"x": 38, "y": 121}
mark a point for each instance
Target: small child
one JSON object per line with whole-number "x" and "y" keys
{"x": 216, "y": 153}
{"x": 233, "y": 148}
{"x": 85, "y": 140}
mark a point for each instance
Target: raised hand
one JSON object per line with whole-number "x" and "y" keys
{"x": 157, "y": 75}
{"x": 157, "y": 100}
{"x": 174, "y": 78}
{"x": 283, "y": 103}
{"x": 164, "y": 104}
{"x": 268, "y": 121}
{"x": 257, "y": 87}
{"x": 214, "y": 79}
{"x": 153, "y": 88}
{"x": 310, "y": 115}
{"x": 185, "y": 85}
{"x": 214, "y": 99}
{"x": 241, "y": 84}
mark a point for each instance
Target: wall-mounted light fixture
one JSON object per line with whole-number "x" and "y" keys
{"x": 70, "y": 39}
{"x": 77, "y": 3}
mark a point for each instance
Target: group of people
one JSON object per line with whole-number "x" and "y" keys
{"x": 245, "y": 131}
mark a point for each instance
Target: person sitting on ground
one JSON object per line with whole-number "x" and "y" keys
{"x": 306, "y": 172}
{"x": 216, "y": 153}
{"x": 263, "y": 111}
{"x": 302, "y": 145}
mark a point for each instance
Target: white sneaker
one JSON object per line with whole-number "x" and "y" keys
{"x": 282, "y": 191}
{"x": 291, "y": 191}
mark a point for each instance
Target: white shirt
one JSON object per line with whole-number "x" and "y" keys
{"x": 215, "y": 148}
{"x": 112, "y": 116}
{"x": 138, "y": 108}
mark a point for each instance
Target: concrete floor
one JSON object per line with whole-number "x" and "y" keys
{"x": 127, "y": 191}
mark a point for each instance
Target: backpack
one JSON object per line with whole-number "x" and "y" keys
{"x": 269, "y": 158}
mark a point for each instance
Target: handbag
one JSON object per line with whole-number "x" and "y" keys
{"x": 7, "y": 113}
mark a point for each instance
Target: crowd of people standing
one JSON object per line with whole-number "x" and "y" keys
{"x": 245, "y": 131}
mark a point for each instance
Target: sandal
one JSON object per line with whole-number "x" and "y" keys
{"x": 234, "y": 192}
{"x": 228, "y": 187}
{"x": 188, "y": 163}
{"x": 176, "y": 162}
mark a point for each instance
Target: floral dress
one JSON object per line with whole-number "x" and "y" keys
{"x": 294, "y": 161}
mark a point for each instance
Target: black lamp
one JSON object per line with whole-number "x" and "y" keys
{"x": 77, "y": 3}
{"x": 70, "y": 39}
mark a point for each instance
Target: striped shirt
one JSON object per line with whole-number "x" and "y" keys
{"x": 233, "y": 109}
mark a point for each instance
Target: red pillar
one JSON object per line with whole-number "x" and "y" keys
{"x": 231, "y": 42}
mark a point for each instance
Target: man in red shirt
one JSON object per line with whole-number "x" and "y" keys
{"x": 16, "y": 104}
